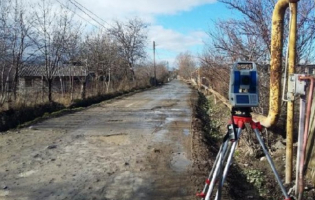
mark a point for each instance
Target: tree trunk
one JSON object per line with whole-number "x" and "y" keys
{"x": 83, "y": 89}
{"x": 107, "y": 89}
{"x": 43, "y": 89}
{"x": 15, "y": 84}
{"x": 50, "y": 90}
{"x": 2, "y": 82}
{"x": 3, "y": 94}
{"x": 107, "y": 86}
{"x": 72, "y": 88}
{"x": 61, "y": 87}
{"x": 98, "y": 86}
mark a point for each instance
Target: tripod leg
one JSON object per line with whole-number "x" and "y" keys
{"x": 221, "y": 170}
{"x": 224, "y": 160}
{"x": 228, "y": 163}
{"x": 217, "y": 168}
{"x": 271, "y": 163}
{"x": 208, "y": 181}
{"x": 210, "y": 174}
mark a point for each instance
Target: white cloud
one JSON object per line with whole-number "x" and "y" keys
{"x": 168, "y": 39}
{"x": 169, "y": 43}
{"x": 109, "y": 9}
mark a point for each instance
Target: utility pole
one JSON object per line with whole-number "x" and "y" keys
{"x": 154, "y": 63}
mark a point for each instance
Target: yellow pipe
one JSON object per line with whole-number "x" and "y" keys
{"x": 290, "y": 105}
{"x": 275, "y": 64}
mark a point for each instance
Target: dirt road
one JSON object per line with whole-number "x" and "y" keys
{"x": 136, "y": 147}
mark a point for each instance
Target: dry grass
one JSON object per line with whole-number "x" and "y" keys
{"x": 31, "y": 98}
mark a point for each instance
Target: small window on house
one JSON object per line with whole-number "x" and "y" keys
{"x": 28, "y": 82}
{"x": 313, "y": 72}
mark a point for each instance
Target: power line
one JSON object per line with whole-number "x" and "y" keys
{"x": 87, "y": 14}
{"x": 75, "y": 13}
{"x": 89, "y": 11}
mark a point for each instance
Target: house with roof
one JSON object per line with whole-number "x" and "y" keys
{"x": 34, "y": 78}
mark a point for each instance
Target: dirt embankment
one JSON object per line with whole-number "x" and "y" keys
{"x": 250, "y": 175}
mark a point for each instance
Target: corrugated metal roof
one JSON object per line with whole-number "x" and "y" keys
{"x": 38, "y": 71}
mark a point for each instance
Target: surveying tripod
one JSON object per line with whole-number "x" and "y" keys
{"x": 218, "y": 173}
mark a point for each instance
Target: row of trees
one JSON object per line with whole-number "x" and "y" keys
{"x": 248, "y": 37}
{"x": 49, "y": 35}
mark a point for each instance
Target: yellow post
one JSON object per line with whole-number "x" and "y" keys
{"x": 275, "y": 64}
{"x": 290, "y": 105}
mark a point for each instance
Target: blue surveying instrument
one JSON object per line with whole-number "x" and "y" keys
{"x": 243, "y": 89}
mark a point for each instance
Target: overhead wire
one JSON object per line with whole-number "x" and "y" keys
{"x": 76, "y": 13}
{"x": 87, "y": 14}
{"x": 89, "y": 11}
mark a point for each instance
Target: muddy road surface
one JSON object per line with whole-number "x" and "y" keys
{"x": 136, "y": 147}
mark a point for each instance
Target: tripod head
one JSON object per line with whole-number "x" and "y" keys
{"x": 241, "y": 111}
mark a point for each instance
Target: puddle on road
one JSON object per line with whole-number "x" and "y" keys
{"x": 181, "y": 110}
{"x": 180, "y": 162}
{"x": 119, "y": 139}
{"x": 124, "y": 186}
{"x": 186, "y": 132}
{"x": 27, "y": 174}
{"x": 4, "y": 193}
{"x": 160, "y": 135}
{"x": 177, "y": 119}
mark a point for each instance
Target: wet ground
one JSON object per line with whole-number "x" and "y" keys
{"x": 136, "y": 147}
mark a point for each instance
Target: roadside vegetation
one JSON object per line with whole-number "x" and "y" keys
{"x": 51, "y": 59}
{"x": 242, "y": 182}
{"x": 248, "y": 38}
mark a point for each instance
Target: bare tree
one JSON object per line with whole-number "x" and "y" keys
{"x": 161, "y": 72}
{"x": 250, "y": 36}
{"x": 98, "y": 56}
{"x": 186, "y": 64}
{"x": 131, "y": 37}
{"x": 73, "y": 52}
{"x": 19, "y": 41}
{"x": 52, "y": 27}
{"x": 145, "y": 72}
{"x": 237, "y": 44}
{"x": 4, "y": 48}
{"x": 14, "y": 42}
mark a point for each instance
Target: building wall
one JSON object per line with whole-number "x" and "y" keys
{"x": 37, "y": 84}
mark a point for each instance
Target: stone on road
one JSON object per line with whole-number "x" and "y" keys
{"x": 135, "y": 147}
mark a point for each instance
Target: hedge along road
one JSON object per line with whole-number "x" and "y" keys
{"x": 136, "y": 147}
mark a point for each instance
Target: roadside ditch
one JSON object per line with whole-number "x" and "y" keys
{"x": 250, "y": 176}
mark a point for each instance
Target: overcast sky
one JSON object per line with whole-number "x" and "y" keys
{"x": 175, "y": 25}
